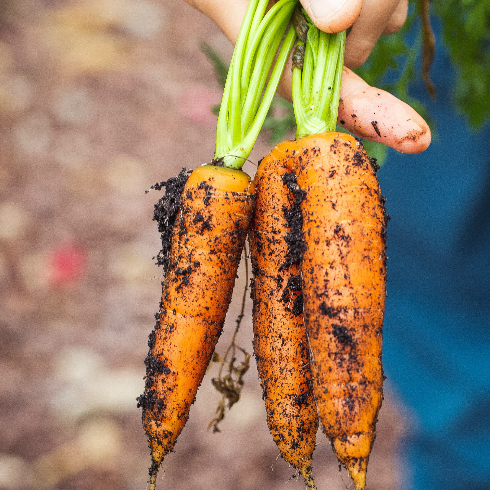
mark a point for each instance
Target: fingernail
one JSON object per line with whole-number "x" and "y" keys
{"x": 323, "y": 10}
{"x": 333, "y": 15}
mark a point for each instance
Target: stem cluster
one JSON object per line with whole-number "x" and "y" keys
{"x": 262, "y": 49}
{"x": 317, "y": 75}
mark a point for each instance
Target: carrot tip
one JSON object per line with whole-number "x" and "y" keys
{"x": 357, "y": 471}
{"x": 155, "y": 465}
{"x": 153, "y": 479}
{"x": 306, "y": 472}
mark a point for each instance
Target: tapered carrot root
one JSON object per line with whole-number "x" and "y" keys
{"x": 344, "y": 277}
{"x": 207, "y": 241}
{"x": 280, "y": 343}
{"x": 344, "y": 273}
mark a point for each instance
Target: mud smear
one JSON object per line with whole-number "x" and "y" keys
{"x": 294, "y": 217}
{"x": 166, "y": 211}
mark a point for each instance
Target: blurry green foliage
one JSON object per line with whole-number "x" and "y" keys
{"x": 466, "y": 33}
{"x": 220, "y": 67}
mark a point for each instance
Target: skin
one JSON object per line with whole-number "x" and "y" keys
{"x": 403, "y": 128}
{"x": 280, "y": 342}
{"x": 376, "y": 18}
{"x": 207, "y": 243}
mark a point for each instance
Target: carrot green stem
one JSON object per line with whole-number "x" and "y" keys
{"x": 263, "y": 46}
{"x": 316, "y": 85}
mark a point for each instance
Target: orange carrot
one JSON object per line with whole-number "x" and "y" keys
{"x": 343, "y": 265}
{"x": 280, "y": 343}
{"x": 208, "y": 235}
{"x": 344, "y": 274}
{"x": 206, "y": 245}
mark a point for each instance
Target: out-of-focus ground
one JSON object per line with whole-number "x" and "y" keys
{"x": 100, "y": 99}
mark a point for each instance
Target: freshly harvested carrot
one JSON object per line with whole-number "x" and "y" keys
{"x": 280, "y": 343}
{"x": 343, "y": 274}
{"x": 207, "y": 242}
{"x": 344, "y": 279}
{"x": 209, "y": 232}
{"x": 343, "y": 268}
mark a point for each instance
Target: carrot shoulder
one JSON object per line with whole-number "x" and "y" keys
{"x": 208, "y": 237}
{"x": 280, "y": 343}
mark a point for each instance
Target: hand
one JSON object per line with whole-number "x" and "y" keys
{"x": 365, "y": 111}
{"x": 376, "y": 17}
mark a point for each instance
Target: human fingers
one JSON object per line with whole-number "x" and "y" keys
{"x": 374, "y": 18}
{"x": 398, "y": 18}
{"x": 377, "y": 115}
{"x": 366, "y": 111}
{"x": 226, "y": 15}
{"x": 373, "y": 114}
{"x": 332, "y": 15}
{"x": 327, "y": 15}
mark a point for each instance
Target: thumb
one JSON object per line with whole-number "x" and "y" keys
{"x": 332, "y": 15}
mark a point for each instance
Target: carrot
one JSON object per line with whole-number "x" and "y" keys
{"x": 343, "y": 274}
{"x": 344, "y": 263}
{"x": 208, "y": 234}
{"x": 343, "y": 266}
{"x": 280, "y": 343}
{"x": 207, "y": 241}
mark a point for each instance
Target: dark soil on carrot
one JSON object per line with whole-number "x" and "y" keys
{"x": 166, "y": 210}
{"x": 294, "y": 219}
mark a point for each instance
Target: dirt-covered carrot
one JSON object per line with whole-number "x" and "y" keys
{"x": 344, "y": 263}
{"x": 208, "y": 234}
{"x": 343, "y": 278}
{"x": 207, "y": 240}
{"x": 280, "y": 343}
{"x": 344, "y": 274}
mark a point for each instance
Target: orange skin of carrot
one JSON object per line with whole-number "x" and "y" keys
{"x": 207, "y": 242}
{"x": 344, "y": 280}
{"x": 280, "y": 343}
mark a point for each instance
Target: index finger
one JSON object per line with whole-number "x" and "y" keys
{"x": 373, "y": 114}
{"x": 377, "y": 115}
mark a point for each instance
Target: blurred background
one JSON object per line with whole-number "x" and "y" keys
{"x": 99, "y": 100}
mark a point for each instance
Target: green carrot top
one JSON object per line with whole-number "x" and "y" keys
{"x": 252, "y": 78}
{"x": 317, "y": 73}
{"x": 261, "y": 51}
